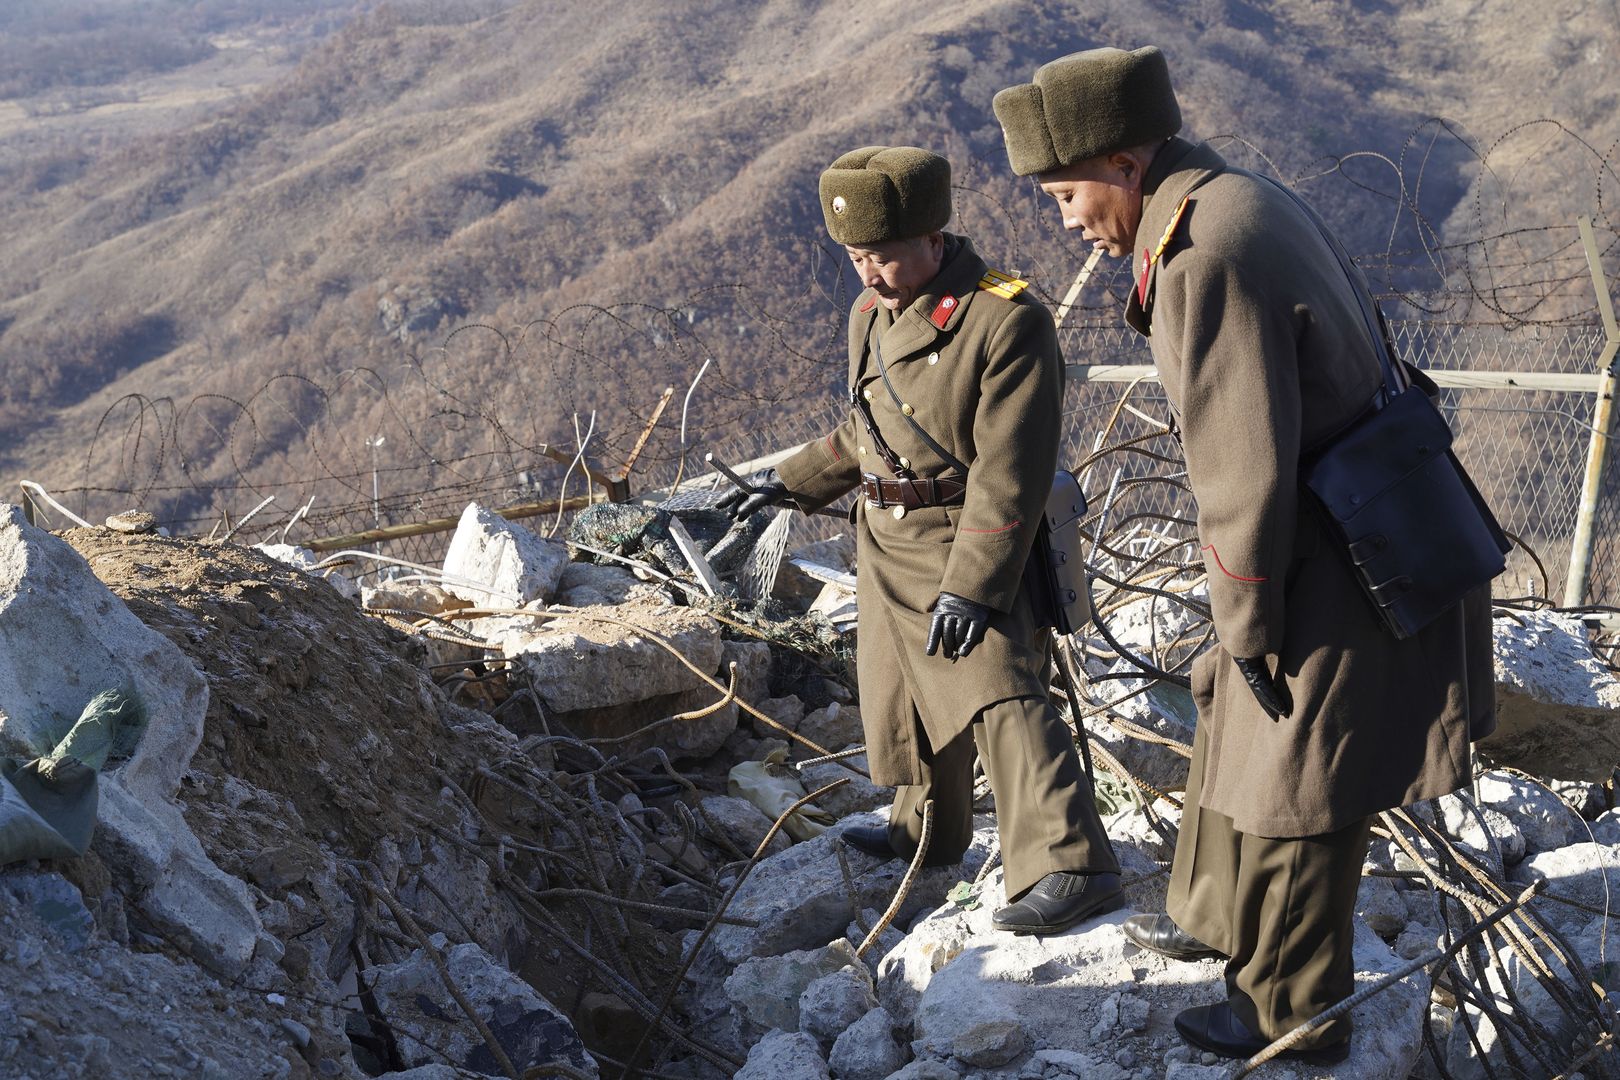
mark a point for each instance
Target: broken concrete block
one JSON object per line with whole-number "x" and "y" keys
{"x": 423, "y": 597}
{"x": 581, "y": 664}
{"x": 1547, "y": 821}
{"x": 745, "y": 825}
{"x": 430, "y": 1027}
{"x": 753, "y": 660}
{"x": 784, "y": 1055}
{"x": 1557, "y": 706}
{"x": 586, "y": 584}
{"x": 512, "y": 563}
{"x": 64, "y": 637}
{"x": 765, "y": 990}
{"x": 835, "y": 727}
{"x": 867, "y": 1049}
{"x": 800, "y": 902}
{"x": 835, "y": 1001}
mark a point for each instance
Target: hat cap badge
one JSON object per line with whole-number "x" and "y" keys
{"x": 838, "y": 204}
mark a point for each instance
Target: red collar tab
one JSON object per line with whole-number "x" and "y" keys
{"x": 1141, "y": 280}
{"x": 869, "y": 305}
{"x": 944, "y": 310}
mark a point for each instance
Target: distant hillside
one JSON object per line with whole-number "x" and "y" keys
{"x": 525, "y": 166}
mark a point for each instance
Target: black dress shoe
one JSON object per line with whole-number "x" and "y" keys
{"x": 1217, "y": 1029}
{"x": 874, "y": 840}
{"x": 1058, "y": 901}
{"x": 1160, "y": 934}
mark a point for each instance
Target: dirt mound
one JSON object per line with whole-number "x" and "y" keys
{"x": 309, "y": 700}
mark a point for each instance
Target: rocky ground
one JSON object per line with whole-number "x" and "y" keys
{"x": 518, "y": 816}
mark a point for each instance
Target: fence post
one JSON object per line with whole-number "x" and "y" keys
{"x": 1597, "y": 451}
{"x": 28, "y": 508}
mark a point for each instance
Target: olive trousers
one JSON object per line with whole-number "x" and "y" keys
{"x": 1045, "y": 814}
{"x": 1282, "y": 909}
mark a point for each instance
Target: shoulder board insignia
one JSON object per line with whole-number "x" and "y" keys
{"x": 1170, "y": 229}
{"x": 1149, "y": 258}
{"x": 868, "y": 306}
{"x": 943, "y": 311}
{"x": 1003, "y": 285}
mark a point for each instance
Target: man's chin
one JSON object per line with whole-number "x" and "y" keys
{"x": 890, "y": 302}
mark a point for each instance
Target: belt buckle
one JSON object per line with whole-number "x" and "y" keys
{"x": 876, "y": 501}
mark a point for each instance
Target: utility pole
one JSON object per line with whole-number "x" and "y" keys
{"x": 1580, "y": 553}
{"x": 376, "y": 503}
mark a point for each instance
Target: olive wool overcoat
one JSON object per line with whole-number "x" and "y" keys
{"x": 1264, "y": 353}
{"x": 977, "y": 362}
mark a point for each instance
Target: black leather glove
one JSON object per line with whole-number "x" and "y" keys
{"x": 768, "y": 491}
{"x": 1272, "y": 694}
{"x": 959, "y": 624}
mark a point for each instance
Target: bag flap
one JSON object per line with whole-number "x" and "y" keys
{"x": 1381, "y": 450}
{"x": 1066, "y": 502}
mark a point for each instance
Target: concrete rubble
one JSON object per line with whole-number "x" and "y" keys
{"x": 309, "y": 769}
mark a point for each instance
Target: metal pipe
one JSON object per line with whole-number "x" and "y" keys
{"x": 1597, "y": 450}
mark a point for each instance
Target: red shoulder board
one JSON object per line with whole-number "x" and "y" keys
{"x": 943, "y": 310}
{"x": 869, "y": 305}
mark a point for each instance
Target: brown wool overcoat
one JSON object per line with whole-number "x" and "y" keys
{"x": 1263, "y": 351}
{"x": 984, "y": 378}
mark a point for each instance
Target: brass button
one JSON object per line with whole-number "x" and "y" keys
{"x": 863, "y": 451}
{"x": 867, "y": 394}
{"x": 898, "y": 512}
{"x": 907, "y": 409}
{"x": 933, "y": 358}
{"x": 905, "y": 463}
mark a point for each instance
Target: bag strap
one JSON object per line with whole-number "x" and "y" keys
{"x": 945, "y": 455}
{"x": 1395, "y": 380}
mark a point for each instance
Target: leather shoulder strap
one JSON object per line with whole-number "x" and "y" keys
{"x": 1395, "y": 380}
{"x": 944, "y": 455}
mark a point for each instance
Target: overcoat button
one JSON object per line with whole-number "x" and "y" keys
{"x": 867, "y": 394}
{"x": 863, "y": 451}
{"x": 907, "y": 409}
{"x": 898, "y": 512}
{"x": 933, "y": 358}
{"x": 905, "y": 463}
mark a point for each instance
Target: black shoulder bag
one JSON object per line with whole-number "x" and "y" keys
{"x": 1414, "y": 525}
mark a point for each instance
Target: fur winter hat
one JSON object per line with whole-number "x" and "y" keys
{"x": 1087, "y": 104}
{"x": 880, "y": 193}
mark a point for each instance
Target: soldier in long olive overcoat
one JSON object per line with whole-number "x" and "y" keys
{"x": 971, "y": 364}
{"x": 1312, "y": 717}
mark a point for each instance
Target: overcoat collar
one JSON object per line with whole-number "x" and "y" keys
{"x": 1178, "y": 168}
{"x": 937, "y": 311}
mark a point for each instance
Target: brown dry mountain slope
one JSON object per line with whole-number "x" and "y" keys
{"x": 526, "y": 170}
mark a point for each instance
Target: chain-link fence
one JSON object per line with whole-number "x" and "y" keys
{"x": 1526, "y": 448}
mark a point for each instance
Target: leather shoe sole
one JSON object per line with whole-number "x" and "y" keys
{"x": 1160, "y": 934}
{"x": 1217, "y": 1029}
{"x": 1058, "y": 901}
{"x": 874, "y": 840}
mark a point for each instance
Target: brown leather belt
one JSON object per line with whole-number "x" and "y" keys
{"x": 911, "y": 494}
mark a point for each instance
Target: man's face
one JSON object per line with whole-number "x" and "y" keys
{"x": 1101, "y": 197}
{"x": 898, "y": 269}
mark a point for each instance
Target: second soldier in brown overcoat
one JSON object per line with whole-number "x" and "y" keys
{"x": 1312, "y": 717}
{"x": 944, "y": 349}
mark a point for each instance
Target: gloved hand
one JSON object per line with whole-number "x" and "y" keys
{"x": 768, "y": 491}
{"x": 1272, "y": 693}
{"x": 959, "y": 624}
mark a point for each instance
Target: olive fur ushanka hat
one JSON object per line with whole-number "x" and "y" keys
{"x": 880, "y": 193}
{"x": 1087, "y": 104}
